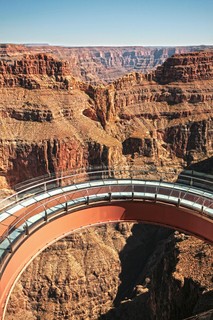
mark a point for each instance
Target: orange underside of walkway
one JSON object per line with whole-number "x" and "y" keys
{"x": 157, "y": 213}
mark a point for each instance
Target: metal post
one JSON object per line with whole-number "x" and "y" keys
{"x": 45, "y": 215}
{"x": 26, "y": 229}
{"x": 110, "y": 196}
{"x": 10, "y": 250}
{"x": 131, "y": 174}
{"x": 178, "y": 203}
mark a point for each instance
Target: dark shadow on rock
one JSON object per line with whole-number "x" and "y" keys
{"x": 208, "y": 315}
{"x": 148, "y": 289}
{"x": 204, "y": 303}
{"x": 205, "y": 166}
{"x": 139, "y": 246}
{"x": 149, "y": 306}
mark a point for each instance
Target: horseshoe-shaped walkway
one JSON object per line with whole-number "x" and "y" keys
{"x": 48, "y": 208}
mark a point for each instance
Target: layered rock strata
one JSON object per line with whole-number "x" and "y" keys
{"x": 134, "y": 121}
{"x": 186, "y": 68}
{"x": 25, "y": 72}
{"x": 160, "y": 121}
{"x": 101, "y": 64}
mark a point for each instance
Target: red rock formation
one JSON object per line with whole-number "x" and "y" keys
{"x": 186, "y": 67}
{"x": 50, "y": 121}
{"x": 95, "y": 64}
{"x": 160, "y": 121}
{"x": 35, "y": 64}
{"x": 175, "y": 118}
{"x": 28, "y": 71}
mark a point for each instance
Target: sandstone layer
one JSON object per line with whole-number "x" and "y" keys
{"x": 51, "y": 121}
{"x": 101, "y": 64}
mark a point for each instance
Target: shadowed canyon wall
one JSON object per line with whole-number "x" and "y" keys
{"x": 51, "y": 121}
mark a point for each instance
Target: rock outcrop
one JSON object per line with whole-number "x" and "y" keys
{"x": 35, "y": 64}
{"x": 135, "y": 119}
{"x": 121, "y": 272}
{"x": 101, "y": 64}
{"x": 153, "y": 120}
{"x": 28, "y": 71}
{"x": 162, "y": 120}
{"x": 185, "y": 68}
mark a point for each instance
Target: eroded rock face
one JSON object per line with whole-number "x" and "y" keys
{"x": 185, "y": 68}
{"x": 121, "y": 272}
{"x": 95, "y": 64}
{"x": 155, "y": 121}
{"x": 23, "y": 72}
{"x": 24, "y": 160}
{"x": 135, "y": 121}
{"x": 35, "y": 64}
{"x": 172, "y": 285}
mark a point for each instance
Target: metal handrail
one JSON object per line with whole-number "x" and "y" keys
{"x": 162, "y": 188}
{"x": 57, "y": 177}
{"x": 171, "y": 187}
{"x": 61, "y": 174}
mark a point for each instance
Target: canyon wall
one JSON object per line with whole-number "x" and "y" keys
{"x": 101, "y": 64}
{"x": 51, "y": 121}
{"x": 185, "y": 68}
{"x": 135, "y": 121}
{"x": 164, "y": 124}
{"x": 117, "y": 272}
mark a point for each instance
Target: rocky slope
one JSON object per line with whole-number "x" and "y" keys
{"x": 122, "y": 272}
{"x": 52, "y": 121}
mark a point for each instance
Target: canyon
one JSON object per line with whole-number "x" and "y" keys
{"x": 55, "y": 118}
{"x": 97, "y": 65}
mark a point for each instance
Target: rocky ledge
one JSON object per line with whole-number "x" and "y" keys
{"x": 29, "y": 70}
{"x": 186, "y": 67}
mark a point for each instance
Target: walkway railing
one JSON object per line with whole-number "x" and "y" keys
{"x": 51, "y": 181}
{"x": 42, "y": 199}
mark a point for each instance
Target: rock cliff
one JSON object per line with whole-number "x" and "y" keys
{"x": 101, "y": 64}
{"x": 185, "y": 68}
{"x": 164, "y": 122}
{"x": 25, "y": 72}
{"x": 51, "y": 121}
{"x": 121, "y": 272}
{"x": 136, "y": 120}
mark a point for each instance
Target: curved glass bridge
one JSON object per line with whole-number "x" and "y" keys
{"x": 45, "y": 209}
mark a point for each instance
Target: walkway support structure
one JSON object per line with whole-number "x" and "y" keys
{"x": 47, "y": 208}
